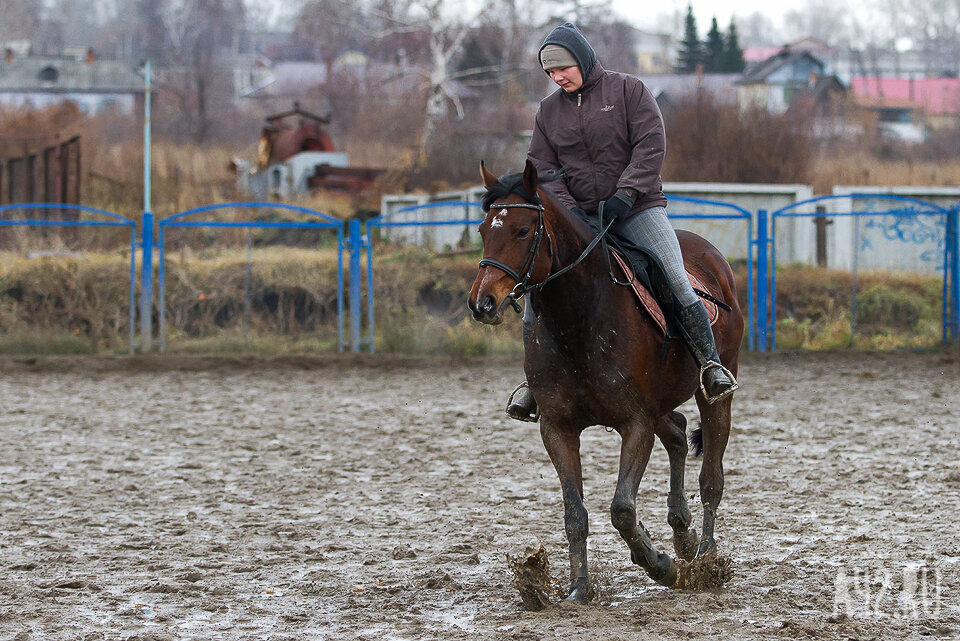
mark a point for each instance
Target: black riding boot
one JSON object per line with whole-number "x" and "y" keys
{"x": 716, "y": 381}
{"x": 521, "y": 405}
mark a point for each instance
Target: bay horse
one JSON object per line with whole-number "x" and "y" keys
{"x": 595, "y": 358}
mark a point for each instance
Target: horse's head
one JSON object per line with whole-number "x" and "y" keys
{"x": 516, "y": 248}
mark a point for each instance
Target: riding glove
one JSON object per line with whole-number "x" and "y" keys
{"x": 617, "y": 206}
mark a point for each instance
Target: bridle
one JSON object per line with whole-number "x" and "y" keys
{"x": 523, "y": 287}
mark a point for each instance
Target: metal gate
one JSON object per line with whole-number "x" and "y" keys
{"x": 75, "y": 211}
{"x": 917, "y": 231}
{"x": 325, "y": 221}
{"x": 730, "y": 212}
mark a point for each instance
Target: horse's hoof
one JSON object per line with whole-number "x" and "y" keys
{"x": 706, "y": 545}
{"x": 685, "y": 543}
{"x": 578, "y": 593}
{"x": 666, "y": 571}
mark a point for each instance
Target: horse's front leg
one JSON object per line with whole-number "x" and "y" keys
{"x": 634, "y": 453}
{"x": 715, "y": 421}
{"x": 671, "y": 430}
{"x": 563, "y": 446}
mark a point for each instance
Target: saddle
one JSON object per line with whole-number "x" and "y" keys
{"x": 649, "y": 303}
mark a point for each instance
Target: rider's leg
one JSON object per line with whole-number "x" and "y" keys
{"x": 522, "y": 405}
{"x": 651, "y": 230}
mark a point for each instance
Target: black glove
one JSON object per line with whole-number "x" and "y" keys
{"x": 617, "y": 206}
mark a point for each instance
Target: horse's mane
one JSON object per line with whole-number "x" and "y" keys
{"x": 513, "y": 184}
{"x": 506, "y": 185}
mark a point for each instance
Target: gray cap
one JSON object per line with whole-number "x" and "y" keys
{"x": 556, "y": 57}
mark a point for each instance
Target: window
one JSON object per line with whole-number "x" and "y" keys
{"x": 48, "y": 74}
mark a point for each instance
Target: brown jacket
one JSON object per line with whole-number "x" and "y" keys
{"x": 607, "y": 136}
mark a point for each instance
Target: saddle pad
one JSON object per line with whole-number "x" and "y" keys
{"x": 649, "y": 303}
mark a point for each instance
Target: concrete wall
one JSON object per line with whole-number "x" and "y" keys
{"x": 730, "y": 236}
{"x": 435, "y": 237}
{"x": 906, "y": 240}
{"x": 901, "y": 240}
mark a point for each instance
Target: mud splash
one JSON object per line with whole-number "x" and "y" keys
{"x": 708, "y": 572}
{"x": 531, "y": 578}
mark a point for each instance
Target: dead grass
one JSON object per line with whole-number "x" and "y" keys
{"x": 863, "y": 169}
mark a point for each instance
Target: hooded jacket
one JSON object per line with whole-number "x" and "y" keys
{"x": 606, "y": 136}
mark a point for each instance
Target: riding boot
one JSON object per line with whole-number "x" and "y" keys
{"x": 716, "y": 381}
{"x": 521, "y": 405}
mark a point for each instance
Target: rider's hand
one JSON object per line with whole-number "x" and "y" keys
{"x": 617, "y": 206}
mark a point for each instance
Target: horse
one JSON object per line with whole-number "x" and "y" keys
{"x": 595, "y": 358}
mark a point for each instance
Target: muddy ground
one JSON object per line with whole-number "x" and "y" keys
{"x": 377, "y": 498}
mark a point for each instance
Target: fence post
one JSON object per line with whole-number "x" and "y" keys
{"x": 370, "y": 331}
{"x": 763, "y": 281}
{"x": 355, "y": 243}
{"x": 953, "y": 267}
{"x": 146, "y": 283}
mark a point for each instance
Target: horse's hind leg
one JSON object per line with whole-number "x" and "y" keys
{"x": 563, "y": 446}
{"x": 634, "y": 455}
{"x": 715, "y": 426}
{"x": 671, "y": 430}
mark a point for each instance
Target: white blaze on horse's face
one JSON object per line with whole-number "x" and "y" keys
{"x": 498, "y": 218}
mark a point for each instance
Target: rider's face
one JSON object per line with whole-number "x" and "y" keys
{"x": 569, "y": 78}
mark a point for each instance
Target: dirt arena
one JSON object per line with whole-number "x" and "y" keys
{"x": 377, "y": 498}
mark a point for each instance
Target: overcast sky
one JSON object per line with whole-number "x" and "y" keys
{"x": 644, "y": 15}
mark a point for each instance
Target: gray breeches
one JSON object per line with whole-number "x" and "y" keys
{"x": 652, "y": 231}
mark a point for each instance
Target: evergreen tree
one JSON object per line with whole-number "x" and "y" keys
{"x": 714, "y": 48}
{"x": 733, "y": 61}
{"x": 691, "y": 49}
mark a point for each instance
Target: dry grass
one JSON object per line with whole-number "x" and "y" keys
{"x": 862, "y": 169}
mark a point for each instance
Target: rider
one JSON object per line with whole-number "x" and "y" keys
{"x": 605, "y": 131}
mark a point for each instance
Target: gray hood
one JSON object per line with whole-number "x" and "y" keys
{"x": 569, "y": 37}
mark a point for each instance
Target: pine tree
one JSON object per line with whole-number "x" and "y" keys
{"x": 733, "y": 61}
{"x": 714, "y": 48}
{"x": 691, "y": 49}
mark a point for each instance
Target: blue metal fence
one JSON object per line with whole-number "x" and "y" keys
{"x": 384, "y": 221}
{"x": 733, "y": 212}
{"x": 911, "y": 208}
{"x": 761, "y": 252}
{"x": 176, "y": 220}
{"x": 116, "y": 221}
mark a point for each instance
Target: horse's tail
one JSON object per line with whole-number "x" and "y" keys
{"x": 696, "y": 440}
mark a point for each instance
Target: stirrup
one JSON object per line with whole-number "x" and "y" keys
{"x": 725, "y": 393}
{"x": 529, "y": 419}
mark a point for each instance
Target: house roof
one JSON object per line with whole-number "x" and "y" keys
{"x": 49, "y": 74}
{"x": 937, "y": 96}
{"x": 758, "y": 73}
{"x": 297, "y": 111}
{"x": 720, "y": 85}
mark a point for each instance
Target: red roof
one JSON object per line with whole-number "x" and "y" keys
{"x": 937, "y": 96}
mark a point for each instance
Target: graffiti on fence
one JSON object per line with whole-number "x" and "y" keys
{"x": 912, "y": 227}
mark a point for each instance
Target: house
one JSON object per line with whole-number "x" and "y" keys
{"x": 937, "y": 100}
{"x": 893, "y": 118}
{"x": 824, "y": 104}
{"x": 654, "y": 51}
{"x": 773, "y": 83}
{"x": 94, "y": 85}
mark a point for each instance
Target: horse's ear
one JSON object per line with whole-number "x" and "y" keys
{"x": 530, "y": 177}
{"x": 489, "y": 180}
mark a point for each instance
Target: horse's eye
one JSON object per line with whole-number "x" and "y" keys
{"x": 522, "y": 232}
